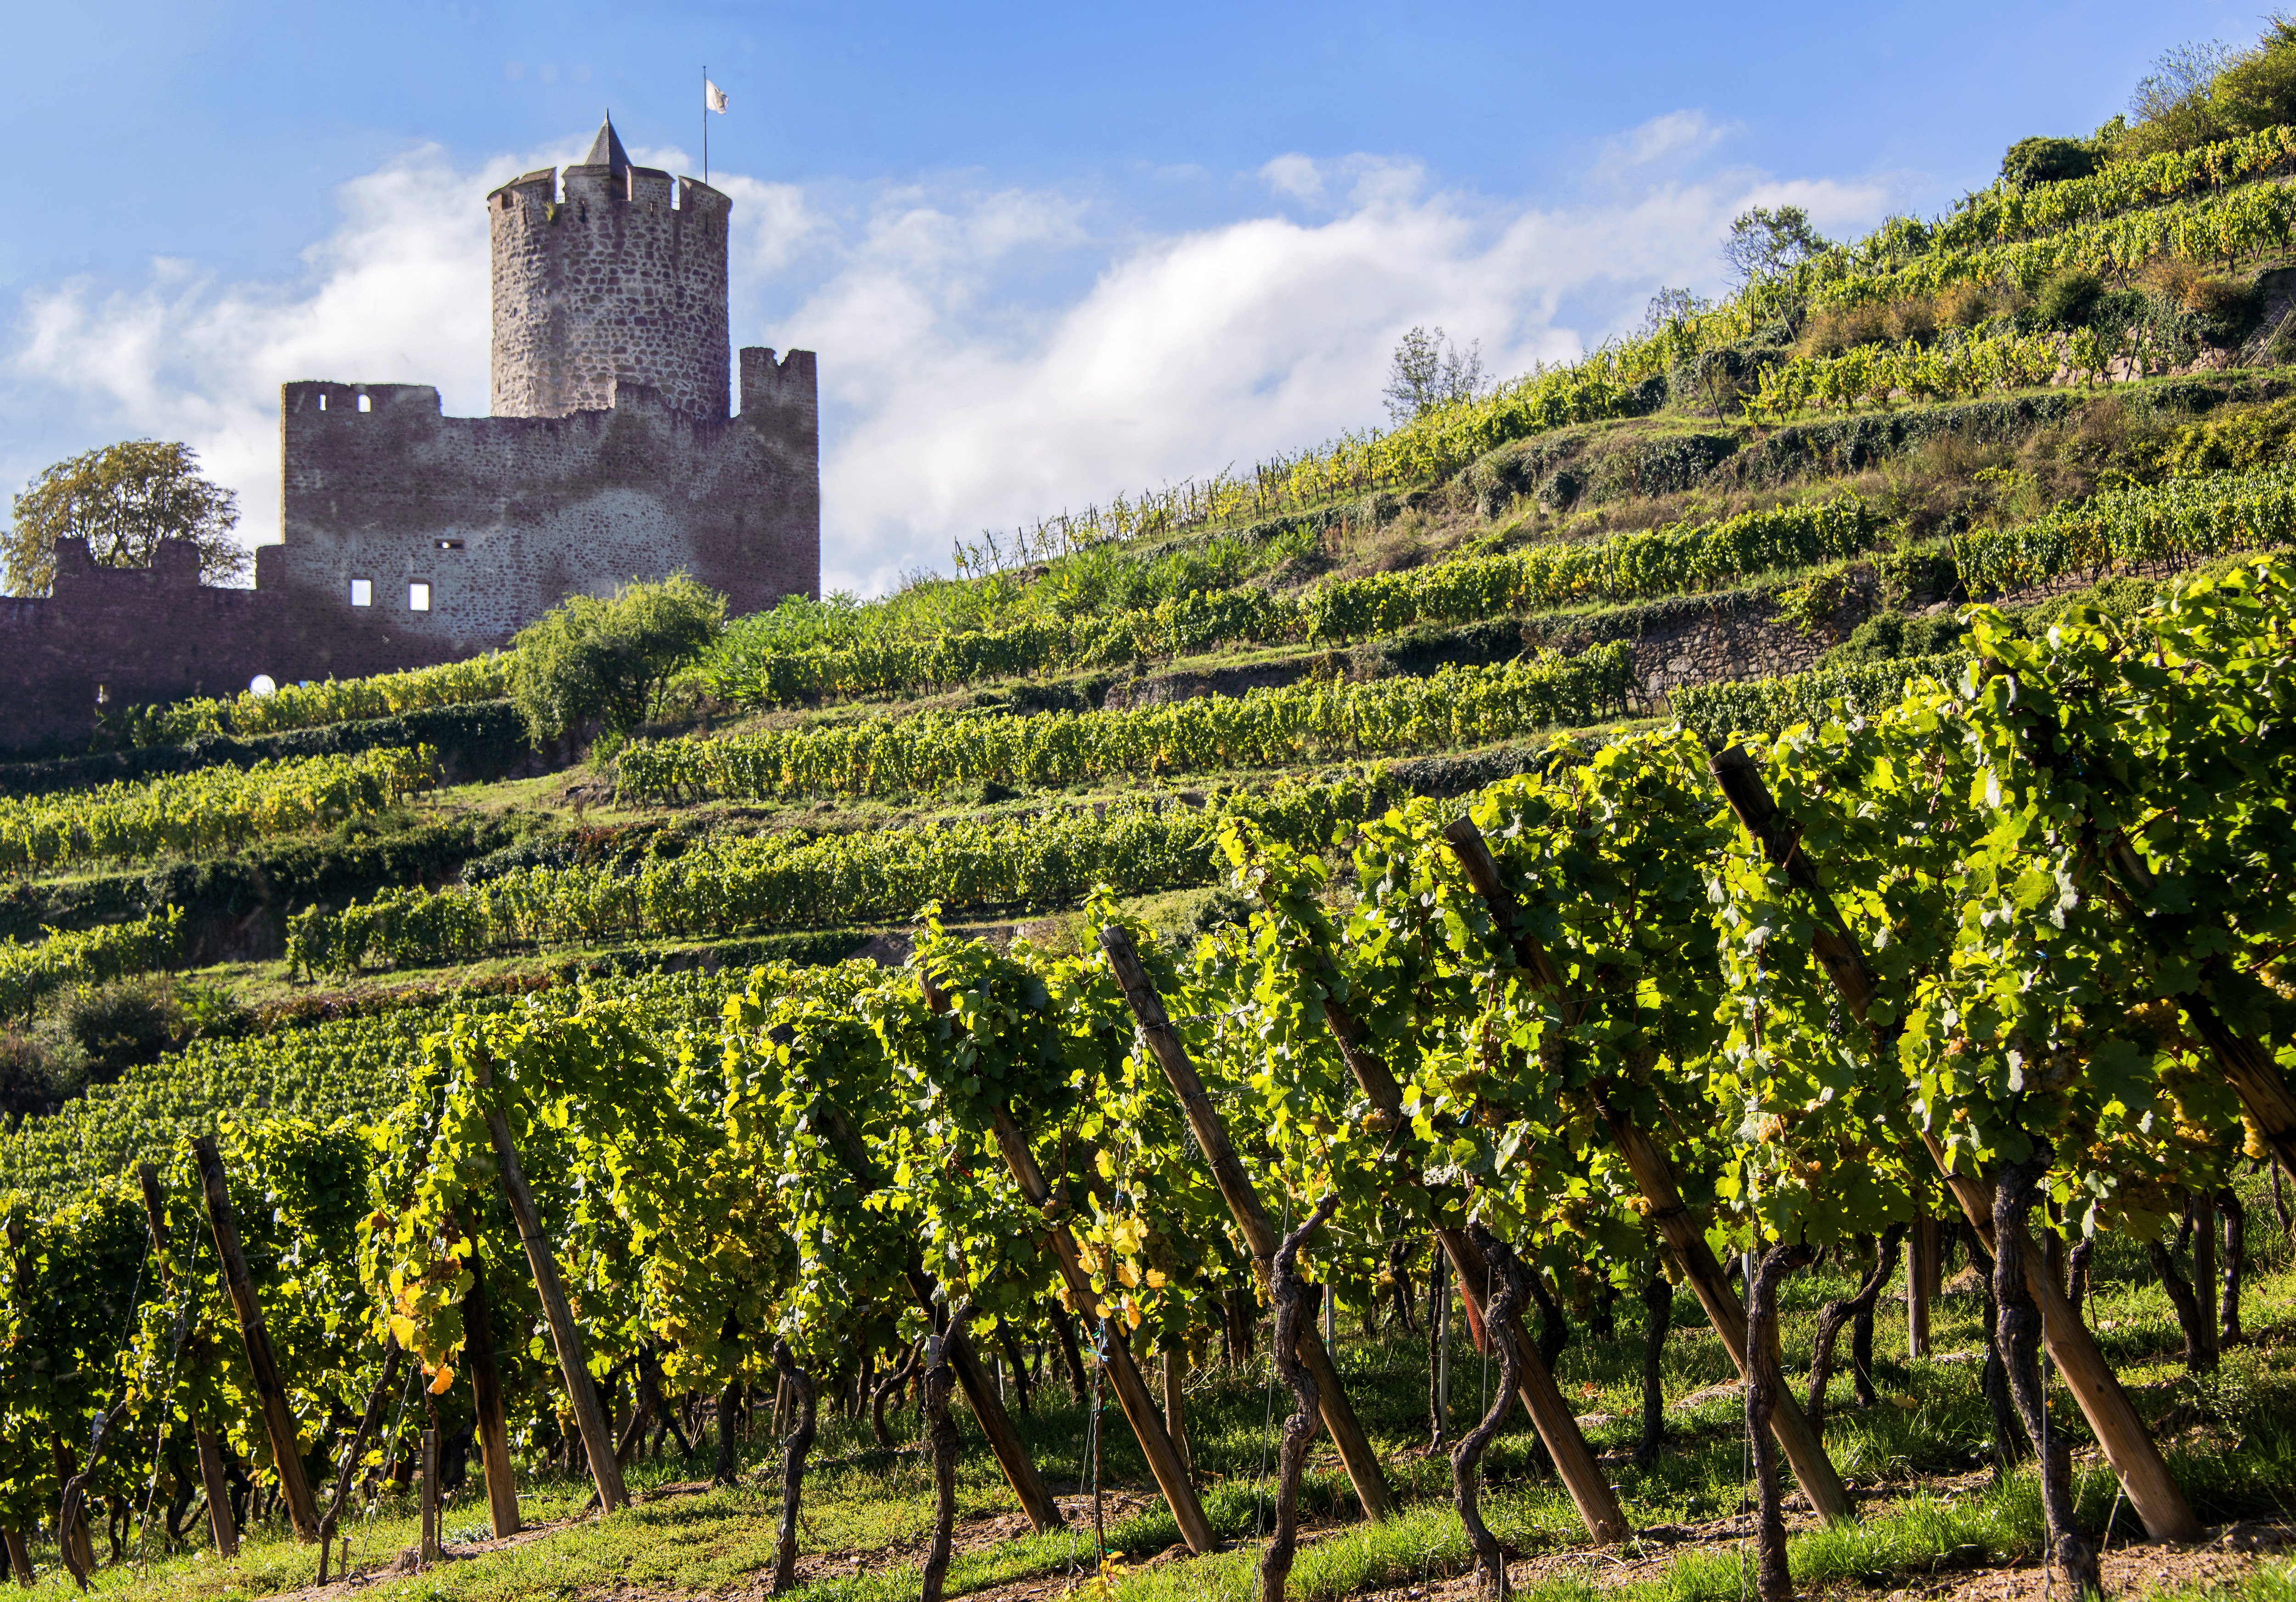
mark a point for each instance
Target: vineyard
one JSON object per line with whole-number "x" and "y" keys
{"x": 1781, "y": 988}
{"x": 1669, "y": 983}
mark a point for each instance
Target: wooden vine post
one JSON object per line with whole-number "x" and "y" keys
{"x": 278, "y": 1419}
{"x": 565, "y": 1334}
{"x": 220, "y": 1523}
{"x": 430, "y": 1551}
{"x": 1550, "y": 1415}
{"x": 1176, "y": 1406}
{"x": 19, "y": 1557}
{"x": 1036, "y": 1497}
{"x": 486, "y": 1397}
{"x": 2128, "y": 1444}
{"x": 1805, "y": 1451}
{"x": 1140, "y": 1409}
{"x": 1243, "y": 1204}
{"x": 1921, "y": 1285}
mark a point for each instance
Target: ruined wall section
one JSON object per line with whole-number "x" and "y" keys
{"x": 461, "y": 530}
{"x": 623, "y": 281}
{"x": 105, "y": 638}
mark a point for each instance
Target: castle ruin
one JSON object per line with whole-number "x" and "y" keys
{"x": 411, "y": 537}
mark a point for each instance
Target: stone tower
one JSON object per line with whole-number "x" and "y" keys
{"x": 622, "y": 281}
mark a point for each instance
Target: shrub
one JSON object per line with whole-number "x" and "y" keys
{"x": 1839, "y": 328}
{"x": 1964, "y": 306}
{"x": 594, "y": 662}
{"x": 2070, "y": 299}
{"x": 2048, "y": 160}
{"x": 1890, "y": 635}
{"x": 111, "y": 1028}
{"x": 1915, "y": 319}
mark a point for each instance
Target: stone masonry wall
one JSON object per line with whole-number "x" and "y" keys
{"x": 501, "y": 517}
{"x": 623, "y": 281}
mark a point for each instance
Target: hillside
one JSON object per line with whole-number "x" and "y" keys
{"x": 967, "y": 993}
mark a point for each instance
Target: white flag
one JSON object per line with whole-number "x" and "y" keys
{"x": 712, "y": 96}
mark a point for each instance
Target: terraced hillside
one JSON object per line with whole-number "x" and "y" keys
{"x": 1365, "y": 940}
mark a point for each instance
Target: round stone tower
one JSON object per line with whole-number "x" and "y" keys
{"x": 623, "y": 281}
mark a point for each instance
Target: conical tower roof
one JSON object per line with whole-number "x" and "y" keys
{"x": 606, "y": 150}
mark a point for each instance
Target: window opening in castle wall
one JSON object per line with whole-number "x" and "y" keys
{"x": 418, "y": 597}
{"x": 366, "y": 403}
{"x": 362, "y": 592}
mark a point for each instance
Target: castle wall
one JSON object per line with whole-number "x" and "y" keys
{"x": 622, "y": 281}
{"x": 501, "y": 517}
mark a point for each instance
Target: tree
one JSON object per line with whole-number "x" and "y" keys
{"x": 2172, "y": 103}
{"x": 2258, "y": 90}
{"x": 1671, "y": 311}
{"x": 1764, "y": 243}
{"x": 123, "y": 500}
{"x": 2048, "y": 160}
{"x": 608, "y": 661}
{"x": 1429, "y": 370}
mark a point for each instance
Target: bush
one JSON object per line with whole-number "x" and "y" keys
{"x": 594, "y": 662}
{"x": 1891, "y": 636}
{"x": 111, "y": 1028}
{"x": 1964, "y": 306}
{"x": 2068, "y": 299}
{"x": 2047, "y": 161}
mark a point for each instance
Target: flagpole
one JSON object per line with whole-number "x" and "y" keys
{"x": 705, "y": 122}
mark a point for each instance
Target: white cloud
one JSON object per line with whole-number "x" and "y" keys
{"x": 988, "y": 355}
{"x": 1294, "y": 175}
{"x": 1675, "y": 136}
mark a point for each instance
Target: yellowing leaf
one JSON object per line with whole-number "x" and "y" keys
{"x": 1128, "y": 1274}
{"x": 445, "y": 1377}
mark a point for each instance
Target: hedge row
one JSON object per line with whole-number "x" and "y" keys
{"x": 1266, "y": 728}
{"x": 1626, "y": 567}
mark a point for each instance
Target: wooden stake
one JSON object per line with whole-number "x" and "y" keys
{"x": 278, "y": 1419}
{"x": 1557, "y": 1426}
{"x": 1243, "y": 1204}
{"x": 430, "y": 1554}
{"x": 565, "y": 1334}
{"x": 1805, "y": 1452}
{"x": 217, "y": 1486}
{"x": 1139, "y": 1408}
{"x": 1653, "y": 1175}
{"x": 1176, "y": 1405}
{"x": 210, "y": 1455}
{"x": 1921, "y": 1285}
{"x": 1036, "y": 1497}
{"x": 2128, "y": 1444}
{"x": 486, "y": 1397}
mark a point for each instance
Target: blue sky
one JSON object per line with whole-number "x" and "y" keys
{"x": 1046, "y": 253}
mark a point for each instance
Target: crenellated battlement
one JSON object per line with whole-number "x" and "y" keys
{"x": 620, "y": 277}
